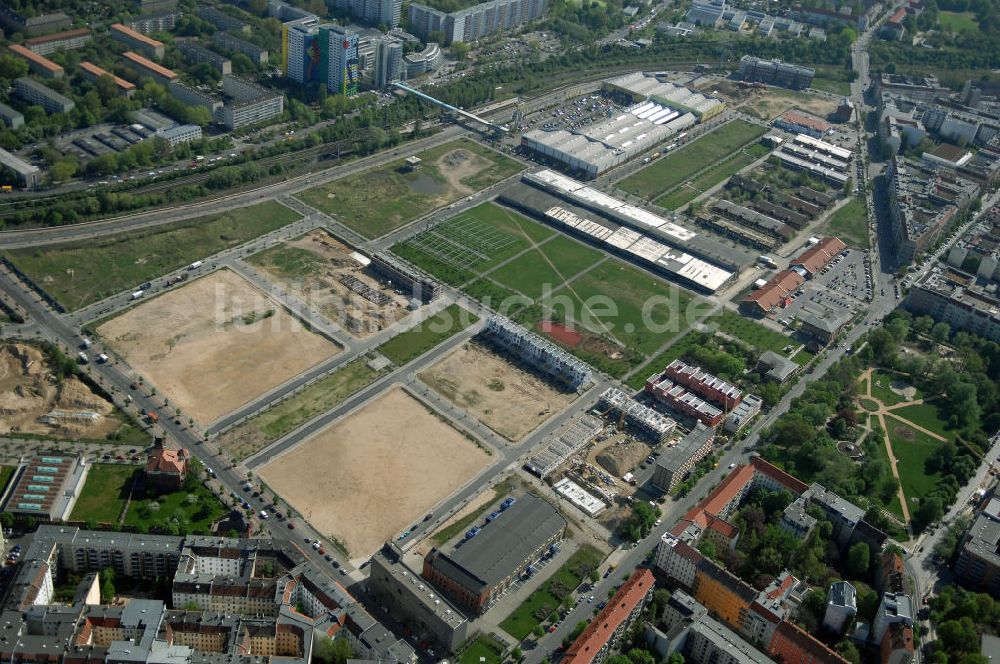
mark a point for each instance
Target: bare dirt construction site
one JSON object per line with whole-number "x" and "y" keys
{"x": 33, "y": 401}
{"x": 487, "y": 385}
{"x": 370, "y": 475}
{"x": 769, "y": 103}
{"x": 319, "y": 269}
{"x": 214, "y": 344}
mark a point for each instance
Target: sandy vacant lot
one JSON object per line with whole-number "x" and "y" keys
{"x": 485, "y": 384}
{"x": 214, "y": 344}
{"x": 372, "y": 474}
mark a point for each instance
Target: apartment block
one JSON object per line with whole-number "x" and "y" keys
{"x": 775, "y": 72}
{"x": 144, "y": 67}
{"x": 257, "y": 54}
{"x": 92, "y": 72}
{"x": 470, "y": 24}
{"x": 39, "y": 64}
{"x": 248, "y": 103}
{"x": 607, "y": 628}
{"x": 59, "y": 41}
{"x": 137, "y": 41}
{"x": 11, "y": 117}
{"x": 196, "y": 53}
{"x": 28, "y": 176}
{"x": 149, "y": 23}
{"x": 675, "y": 462}
{"x": 954, "y": 297}
{"x": 33, "y": 92}
{"x": 223, "y": 21}
{"x": 978, "y": 564}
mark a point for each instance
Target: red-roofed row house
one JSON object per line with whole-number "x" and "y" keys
{"x": 607, "y": 628}
{"x": 781, "y": 286}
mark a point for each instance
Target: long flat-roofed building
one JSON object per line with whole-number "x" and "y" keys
{"x": 632, "y": 232}
{"x": 11, "y": 117}
{"x": 37, "y": 63}
{"x": 60, "y": 41}
{"x": 641, "y": 86}
{"x": 137, "y": 41}
{"x": 149, "y": 68}
{"x": 28, "y": 175}
{"x": 674, "y": 463}
{"x": 47, "y": 487}
{"x": 34, "y": 92}
{"x": 92, "y": 72}
{"x": 493, "y": 556}
{"x": 196, "y": 53}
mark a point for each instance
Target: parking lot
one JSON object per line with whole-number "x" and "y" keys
{"x": 844, "y": 287}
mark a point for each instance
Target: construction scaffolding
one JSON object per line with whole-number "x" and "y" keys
{"x": 364, "y": 290}
{"x": 422, "y": 287}
{"x": 563, "y": 444}
{"x": 542, "y": 355}
{"x": 646, "y": 421}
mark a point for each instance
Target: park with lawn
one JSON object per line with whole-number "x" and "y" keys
{"x": 381, "y": 199}
{"x": 115, "y": 495}
{"x": 542, "y": 604}
{"x": 79, "y": 274}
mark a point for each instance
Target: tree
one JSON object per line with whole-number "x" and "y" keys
{"x": 516, "y": 654}
{"x": 12, "y": 67}
{"x": 618, "y": 659}
{"x": 333, "y": 651}
{"x": 930, "y": 510}
{"x": 107, "y": 585}
{"x": 940, "y": 332}
{"x": 848, "y": 651}
{"x": 6, "y": 519}
{"x": 675, "y": 658}
{"x": 658, "y": 603}
{"x": 858, "y": 560}
{"x": 460, "y": 50}
{"x": 63, "y": 169}
{"x": 639, "y": 656}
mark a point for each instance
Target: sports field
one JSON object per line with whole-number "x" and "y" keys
{"x": 379, "y": 200}
{"x": 79, "y": 274}
{"x": 368, "y": 476}
{"x": 681, "y": 165}
{"x": 534, "y": 275}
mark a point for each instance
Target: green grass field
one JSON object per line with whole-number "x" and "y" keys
{"x": 193, "y": 509}
{"x": 713, "y": 176}
{"x": 850, "y": 223}
{"x": 379, "y": 200}
{"x": 546, "y": 267}
{"x": 487, "y": 235}
{"x": 880, "y": 452}
{"x": 6, "y": 472}
{"x": 288, "y": 262}
{"x": 911, "y": 456}
{"x": 803, "y": 357}
{"x": 522, "y": 619}
{"x": 418, "y": 340}
{"x": 481, "y": 650}
{"x": 925, "y": 415}
{"x": 957, "y": 21}
{"x": 190, "y": 510}
{"x": 760, "y": 337}
{"x": 79, "y": 274}
{"x": 677, "y": 349}
{"x": 832, "y": 85}
{"x": 104, "y": 493}
{"x": 881, "y": 390}
{"x": 273, "y": 423}
{"x": 616, "y": 296}
{"x": 682, "y": 164}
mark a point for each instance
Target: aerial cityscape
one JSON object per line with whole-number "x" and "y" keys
{"x": 499, "y": 331}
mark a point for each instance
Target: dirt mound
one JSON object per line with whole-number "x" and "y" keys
{"x": 623, "y": 456}
{"x": 32, "y": 400}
